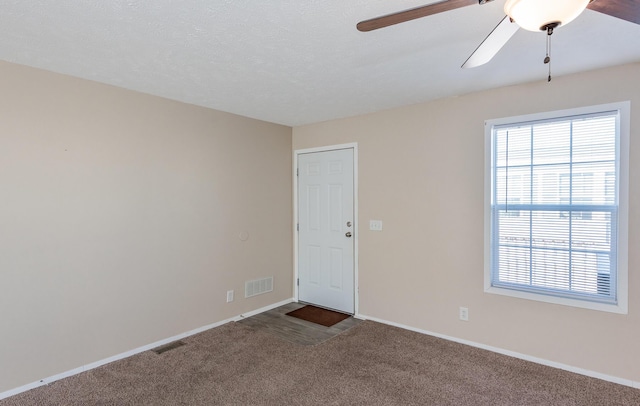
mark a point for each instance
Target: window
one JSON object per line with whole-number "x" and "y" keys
{"x": 577, "y": 188}
{"x": 556, "y": 207}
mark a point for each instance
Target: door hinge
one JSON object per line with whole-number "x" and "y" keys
{"x": 298, "y": 227}
{"x": 297, "y": 171}
{"x": 298, "y": 281}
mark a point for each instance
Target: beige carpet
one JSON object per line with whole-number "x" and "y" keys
{"x": 369, "y": 364}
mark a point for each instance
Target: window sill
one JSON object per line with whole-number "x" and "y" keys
{"x": 620, "y": 308}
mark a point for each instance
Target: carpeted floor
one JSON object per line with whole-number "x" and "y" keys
{"x": 369, "y": 364}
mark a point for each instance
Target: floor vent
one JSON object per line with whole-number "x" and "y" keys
{"x": 258, "y": 286}
{"x": 168, "y": 347}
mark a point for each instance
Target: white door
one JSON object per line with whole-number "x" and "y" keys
{"x": 326, "y": 228}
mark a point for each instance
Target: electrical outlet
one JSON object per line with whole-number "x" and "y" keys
{"x": 464, "y": 313}
{"x": 229, "y": 296}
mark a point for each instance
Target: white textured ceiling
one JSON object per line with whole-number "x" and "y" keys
{"x": 294, "y": 62}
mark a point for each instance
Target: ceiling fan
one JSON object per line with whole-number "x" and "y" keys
{"x": 532, "y": 15}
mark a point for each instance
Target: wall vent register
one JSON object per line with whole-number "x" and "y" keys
{"x": 258, "y": 286}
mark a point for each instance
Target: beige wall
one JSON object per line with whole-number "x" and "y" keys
{"x": 119, "y": 219}
{"x": 421, "y": 172}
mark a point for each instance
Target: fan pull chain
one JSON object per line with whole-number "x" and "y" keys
{"x": 547, "y": 59}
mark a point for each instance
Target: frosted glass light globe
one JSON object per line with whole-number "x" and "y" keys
{"x": 535, "y": 15}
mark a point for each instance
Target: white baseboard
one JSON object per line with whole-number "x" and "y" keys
{"x": 542, "y": 361}
{"x": 75, "y": 371}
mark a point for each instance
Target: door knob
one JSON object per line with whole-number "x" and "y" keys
{"x": 348, "y": 234}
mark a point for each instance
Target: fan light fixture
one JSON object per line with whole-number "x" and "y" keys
{"x": 540, "y": 15}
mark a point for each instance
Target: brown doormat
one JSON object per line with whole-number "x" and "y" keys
{"x": 318, "y": 315}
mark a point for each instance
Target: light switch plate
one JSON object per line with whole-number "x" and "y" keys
{"x": 375, "y": 225}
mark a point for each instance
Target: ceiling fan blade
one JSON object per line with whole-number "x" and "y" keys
{"x": 623, "y": 9}
{"x": 492, "y": 44}
{"x": 412, "y": 14}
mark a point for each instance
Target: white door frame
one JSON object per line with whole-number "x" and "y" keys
{"x": 356, "y": 221}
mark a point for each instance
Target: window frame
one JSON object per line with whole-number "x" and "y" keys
{"x": 622, "y": 161}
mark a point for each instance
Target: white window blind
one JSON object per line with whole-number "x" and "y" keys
{"x": 554, "y": 206}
